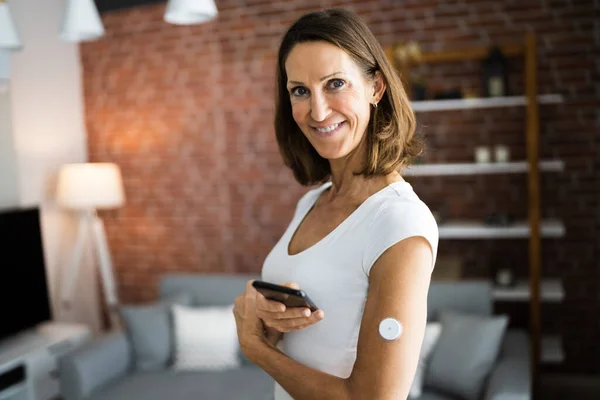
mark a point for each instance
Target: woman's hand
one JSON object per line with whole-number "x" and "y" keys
{"x": 250, "y": 329}
{"x": 273, "y": 336}
{"x": 278, "y": 317}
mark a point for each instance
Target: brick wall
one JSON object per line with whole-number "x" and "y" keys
{"x": 187, "y": 113}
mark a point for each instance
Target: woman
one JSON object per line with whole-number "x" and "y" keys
{"x": 362, "y": 245}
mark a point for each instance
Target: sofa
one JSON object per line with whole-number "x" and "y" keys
{"x": 102, "y": 370}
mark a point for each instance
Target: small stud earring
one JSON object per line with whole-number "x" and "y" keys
{"x": 375, "y": 105}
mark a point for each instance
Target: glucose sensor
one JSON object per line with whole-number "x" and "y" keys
{"x": 390, "y": 329}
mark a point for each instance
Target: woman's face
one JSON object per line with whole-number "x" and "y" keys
{"x": 330, "y": 97}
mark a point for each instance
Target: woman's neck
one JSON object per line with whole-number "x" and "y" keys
{"x": 345, "y": 184}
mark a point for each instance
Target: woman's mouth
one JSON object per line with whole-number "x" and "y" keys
{"x": 328, "y": 131}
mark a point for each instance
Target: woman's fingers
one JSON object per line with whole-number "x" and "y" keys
{"x": 278, "y": 318}
{"x": 276, "y": 315}
{"x": 290, "y": 313}
{"x": 301, "y": 323}
{"x": 290, "y": 324}
{"x": 266, "y": 305}
{"x": 273, "y": 309}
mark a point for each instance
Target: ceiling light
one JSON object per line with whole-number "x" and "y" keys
{"x": 9, "y": 38}
{"x": 81, "y": 21}
{"x": 187, "y": 12}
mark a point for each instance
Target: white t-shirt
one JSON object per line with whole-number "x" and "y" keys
{"x": 334, "y": 272}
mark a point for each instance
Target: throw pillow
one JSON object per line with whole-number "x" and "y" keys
{"x": 432, "y": 335}
{"x": 205, "y": 338}
{"x": 465, "y": 353}
{"x": 149, "y": 330}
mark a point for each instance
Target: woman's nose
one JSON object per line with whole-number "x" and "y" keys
{"x": 319, "y": 108}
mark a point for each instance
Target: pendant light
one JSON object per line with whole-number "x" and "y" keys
{"x": 187, "y": 12}
{"x": 81, "y": 21}
{"x": 9, "y": 38}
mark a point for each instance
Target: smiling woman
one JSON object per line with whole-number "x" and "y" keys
{"x": 331, "y": 110}
{"x": 332, "y": 69}
{"x": 362, "y": 244}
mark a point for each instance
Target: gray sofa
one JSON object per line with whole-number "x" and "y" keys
{"x": 102, "y": 370}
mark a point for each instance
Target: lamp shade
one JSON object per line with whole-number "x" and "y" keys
{"x": 81, "y": 21}
{"x": 187, "y": 12}
{"x": 9, "y": 38}
{"x": 90, "y": 185}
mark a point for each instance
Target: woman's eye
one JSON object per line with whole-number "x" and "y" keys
{"x": 299, "y": 91}
{"x": 336, "y": 84}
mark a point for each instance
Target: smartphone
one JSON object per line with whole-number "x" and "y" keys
{"x": 288, "y": 296}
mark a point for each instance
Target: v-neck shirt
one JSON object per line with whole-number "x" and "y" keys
{"x": 334, "y": 272}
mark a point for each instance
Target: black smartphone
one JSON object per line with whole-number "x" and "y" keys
{"x": 288, "y": 296}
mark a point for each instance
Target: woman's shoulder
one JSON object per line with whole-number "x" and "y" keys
{"x": 399, "y": 214}
{"x": 402, "y": 207}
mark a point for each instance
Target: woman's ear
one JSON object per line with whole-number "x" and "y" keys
{"x": 379, "y": 86}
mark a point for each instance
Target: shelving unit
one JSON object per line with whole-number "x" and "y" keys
{"x": 544, "y": 348}
{"x": 515, "y": 167}
{"x": 484, "y": 102}
{"x": 478, "y": 230}
{"x": 37, "y": 351}
{"x": 551, "y": 291}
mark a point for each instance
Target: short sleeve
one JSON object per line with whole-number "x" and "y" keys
{"x": 396, "y": 221}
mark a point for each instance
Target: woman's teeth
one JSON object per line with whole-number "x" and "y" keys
{"x": 328, "y": 129}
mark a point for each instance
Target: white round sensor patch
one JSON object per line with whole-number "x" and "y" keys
{"x": 390, "y": 329}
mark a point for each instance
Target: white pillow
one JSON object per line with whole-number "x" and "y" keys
{"x": 432, "y": 335}
{"x": 205, "y": 338}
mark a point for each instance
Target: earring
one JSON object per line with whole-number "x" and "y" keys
{"x": 375, "y": 105}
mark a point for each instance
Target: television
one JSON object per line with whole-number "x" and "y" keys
{"x": 24, "y": 295}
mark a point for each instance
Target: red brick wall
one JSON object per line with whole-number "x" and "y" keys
{"x": 187, "y": 113}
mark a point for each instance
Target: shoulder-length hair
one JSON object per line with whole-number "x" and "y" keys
{"x": 390, "y": 136}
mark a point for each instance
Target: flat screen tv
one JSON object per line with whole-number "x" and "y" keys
{"x": 24, "y": 298}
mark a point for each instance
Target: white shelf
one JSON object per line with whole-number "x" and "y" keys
{"x": 43, "y": 336}
{"x": 484, "y": 102}
{"x": 552, "y": 350}
{"x": 551, "y": 290}
{"x": 480, "y": 168}
{"x": 478, "y": 230}
{"x": 19, "y": 390}
{"x": 38, "y": 350}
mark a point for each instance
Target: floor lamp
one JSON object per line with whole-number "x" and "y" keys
{"x": 86, "y": 188}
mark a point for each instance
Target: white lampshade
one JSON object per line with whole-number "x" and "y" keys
{"x": 81, "y": 21}
{"x": 90, "y": 185}
{"x": 9, "y": 38}
{"x": 187, "y": 12}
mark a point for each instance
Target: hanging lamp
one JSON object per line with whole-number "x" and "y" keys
{"x": 81, "y": 21}
{"x": 9, "y": 38}
{"x": 188, "y": 12}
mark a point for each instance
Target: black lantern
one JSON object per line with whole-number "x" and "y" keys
{"x": 495, "y": 74}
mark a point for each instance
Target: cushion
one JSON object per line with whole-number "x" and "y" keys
{"x": 432, "y": 335}
{"x": 205, "y": 338}
{"x": 148, "y": 327}
{"x": 465, "y": 353}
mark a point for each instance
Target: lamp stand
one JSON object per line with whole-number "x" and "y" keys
{"x": 89, "y": 222}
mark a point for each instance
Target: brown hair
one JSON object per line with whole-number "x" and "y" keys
{"x": 390, "y": 135}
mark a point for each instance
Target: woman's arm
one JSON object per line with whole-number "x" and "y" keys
{"x": 398, "y": 287}
{"x": 399, "y": 282}
{"x": 300, "y": 381}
